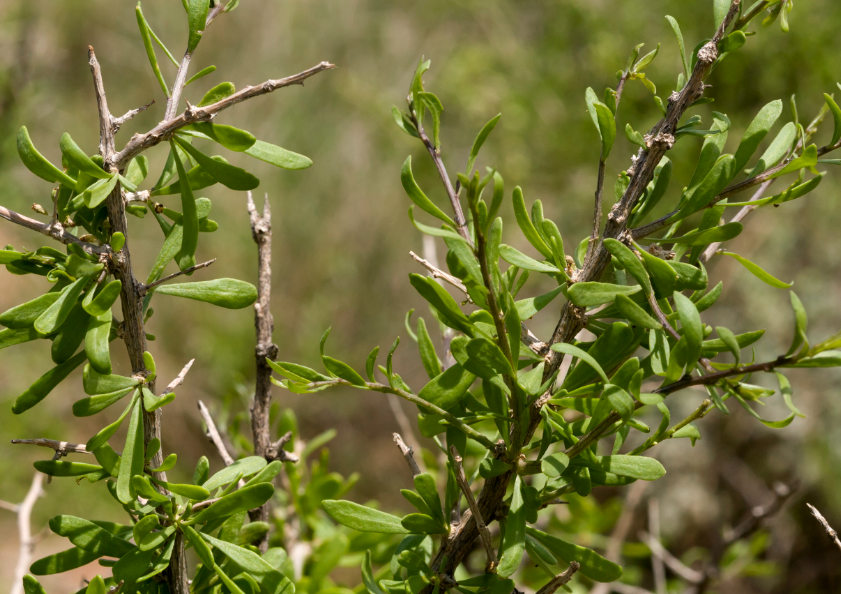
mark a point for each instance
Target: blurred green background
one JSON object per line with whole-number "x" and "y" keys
{"x": 341, "y": 235}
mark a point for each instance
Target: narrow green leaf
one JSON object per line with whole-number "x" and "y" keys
{"x": 90, "y": 537}
{"x": 417, "y": 196}
{"x": 55, "y": 315}
{"x": 150, "y": 49}
{"x": 422, "y": 524}
{"x": 343, "y": 370}
{"x": 277, "y": 156}
{"x": 23, "y": 316}
{"x": 429, "y": 358}
{"x": 77, "y": 158}
{"x": 224, "y": 292}
{"x": 757, "y": 131}
{"x": 514, "y": 541}
{"x": 687, "y": 70}
{"x": 574, "y": 351}
{"x": 45, "y": 384}
{"x": 65, "y": 468}
{"x": 593, "y": 565}
{"x": 480, "y": 140}
{"x": 361, "y": 518}
{"x": 200, "y": 74}
{"x": 777, "y": 150}
{"x": 244, "y": 466}
{"x": 836, "y": 116}
{"x": 63, "y": 561}
{"x": 241, "y": 500}
{"x": 732, "y": 343}
{"x": 520, "y": 260}
{"x": 635, "y": 314}
{"x": 186, "y": 256}
{"x": 270, "y": 579}
{"x": 637, "y": 467}
{"x": 693, "y": 329}
{"x": 133, "y": 458}
{"x": 607, "y": 127}
{"x": 217, "y": 93}
{"x": 231, "y": 138}
{"x": 228, "y": 175}
{"x": 759, "y": 272}
{"x": 37, "y": 163}
{"x": 96, "y": 343}
{"x": 196, "y": 17}
{"x": 722, "y": 233}
{"x": 588, "y": 294}
{"x": 447, "y": 389}
{"x": 553, "y": 466}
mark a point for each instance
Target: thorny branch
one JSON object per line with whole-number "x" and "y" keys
{"x": 408, "y": 454}
{"x": 164, "y": 131}
{"x": 477, "y": 516}
{"x": 560, "y": 579}
{"x": 61, "y": 448}
{"x": 145, "y": 288}
{"x": 54, "y": 230}
{"x": 830, "y": 532}
{"x": 23, "y": 511}
{"x": 261, "y": 232}
{"x": 213, "y": 435}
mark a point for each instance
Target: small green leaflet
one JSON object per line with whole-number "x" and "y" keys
{"x": 759, "y": 272}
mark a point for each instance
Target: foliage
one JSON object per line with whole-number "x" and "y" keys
{"x": 530, "y": 434}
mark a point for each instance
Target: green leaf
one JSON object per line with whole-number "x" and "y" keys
{"x": 520, "y": 260}
{"x": 217, "y": 93}
{"x": 514, "y": 539}
{"x": 716, "y": 234}
{"x": 95, "y": 404}
{"x": 167, "y": 464}
{"x": 526, "y": 308}
{"x": 201, "y": 547}
{"x": 277, "y": 156}
{"x": 45, "y": 384}
{"x": 132, "y": 462}
{"x": 574, "y": 351}
{"x": 196, "y": 17}
{"x": 422, "y": 524}
{"x": 434, "y": 231}
{"x": 443, "y": 302}
{"x": 90, "y": 537}
{"x": 807, "y": 160}
{"x": 228, "y": 175}
{"x": 186, "y": 256}
{"x": 732, "y": 343}
{"x": 269, "y": 578}
{"x": 96, "y": 343}
{"x": 480, "y": 140}
{"x": 244, "y": 466}
{"x": 836, "y": 116}
{"x": 224, "y": 292}
{"x": 145, "y": 34}
{"x": 712, "y": 185}
{"x": 64, "y": 468}
{"x": 823, "y": 359}
{"x": 785, "y": 390}
{"x": 105, "y": 434}
{"x": 63, "y": 561}
{"x": 587, "y": 294}
{"x": 447, "y": 389}
{"x": 593, "y": 565}
{"x": 78, "y": 159}
{"x": 417, "y": 196}
{"x": 343, "y": 371}
{"x": 759, "y": 272}
{"x": 636, "y": 467}
{"x": 429, "y": 358}
{"x": 200, "y": 74}
{"x": 435, "y": 109}
{"x": 55, "y": 315}
{"x": 23, "y": 316}
{"x": 144, "y": 488}
{"x": 635, "y": 314}
{"x": 619, "y": 400}
{"x": 777, "y": 150}
{"x": 526, "y": 225}
{"x": 32, "y": 586}
{"x": 693, "y": 329}
{"x": 629, "y": 261}
{"x": 687, "y": 70}
{"x": 757, "y": 131}
{"x": 553, "y": 466}
{"x": 231, "y": 138}
{"x": 770, "y": 424}
{"x": 488, "y": 355}
{"x": 720, "y": 10}
{"x": 361, "y": 518}
{"x": 189, "y": 491}
{"x": 94, "y": 383}
{"x": 103, "y": 301}
{"x": 244, "y": 499}
{"x": 607, "y": 128}
{"x": 37, "y": 163}
{"x": 425, "y": 486}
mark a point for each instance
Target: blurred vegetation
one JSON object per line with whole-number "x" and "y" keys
{"x": 341, "y": 236}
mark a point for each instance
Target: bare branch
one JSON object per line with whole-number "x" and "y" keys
{"x": 437, "y": 273}
{"x": 621, "y": 529}
{"x": 145, "y": 288}
{"x": 106, "y": 130}
{"x": 27, "y": 544}
{"x": 404, "y": 424}
{"x": 179, "y": 379}
{"x": 832, "y": 534}
{"x": 178, "y": 87}
{"x": 759, "y": 514}
{"x": 560, "y": 579}
{"x": 61, "y": 447}
{"x": 116, "y": 123}
{"x": 484, "y": 533}
{"x": 659, "y": 552}
{"x": 164, "y": 131}
{"x": 54, "y": 230}
{"x": 408, "y": 453}
{"x": 276, "y": 451}
{"x": 214, "y": 436}
{"x": 743, "y": 212}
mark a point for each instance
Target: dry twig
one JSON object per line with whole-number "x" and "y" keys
{"x": 832, "y": 534}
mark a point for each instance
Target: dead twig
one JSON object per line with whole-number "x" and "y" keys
{"x": 62, "y": 448}
{"x": 485, "y": 534}
{"x": 408, "y": 454}
{"x": 213, "y": 434}
{"x": 560, "y": 579}
{"x": 23, "y": 511}
{"x": 831, "y": 534}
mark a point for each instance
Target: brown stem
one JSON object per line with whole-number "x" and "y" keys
{"x": 261, "y": 231}
{"x": 54, "y": 230}
{"x": 178, "y": 87}
{"x": 477, "y": 514}
{"x": 163, "y": 131}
